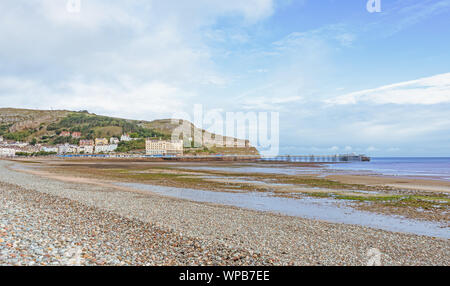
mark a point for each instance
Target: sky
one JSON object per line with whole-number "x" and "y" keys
{"x": 341, "y": 79}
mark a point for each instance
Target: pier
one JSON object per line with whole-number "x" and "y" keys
{"x": 287, "y": 158}
{"x": 318, "y": 158}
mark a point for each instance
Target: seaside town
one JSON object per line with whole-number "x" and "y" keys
{"x": 153, "y": 147}
{"x": 238, "y": 141}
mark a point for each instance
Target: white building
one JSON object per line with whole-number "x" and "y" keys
{"x": 105, "y": 148}
{"x": 87, "y": 149}
{"x": 49, "y": 149}
{"x": 1, "y": 138}
{"x": 163, "y": 147}
{"x": 125, "y": 137}
{"x": 7, "y": 152}
{"x": 101, "y": 141}
{"x": 67, "y": 149}
{"x": 114, "y": 140}
{"x": 20, "y": 144}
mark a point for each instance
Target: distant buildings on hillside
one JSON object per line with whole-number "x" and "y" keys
{"x": 101, "y": 141}
{"x": 50, "y": 149}
{"x": 76, "y": 135}
{"x": 163, "y": 147}
{"x": 105, "y": 148}
{"x": 86, "y": 146}
{"x": 108, "y": 145}
{"x": 7, "y": 152}
{"x": 9, "y": 149}
{"x": 67, "y": 148}
{"x": 96, "y": 146}
{"x": 85, "y": 142}
{"x": 114, "y": 140}
{"x": 87, "y": 149}
{"x": 125, "y": 137}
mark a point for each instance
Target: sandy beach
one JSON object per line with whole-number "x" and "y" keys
{"x": 403, "y": 183}
{"x": 44, "y": 218}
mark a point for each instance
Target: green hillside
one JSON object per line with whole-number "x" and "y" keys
{"x": 45, "y": 127}
{"x": 39, "y": 127}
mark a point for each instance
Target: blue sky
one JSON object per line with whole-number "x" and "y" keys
{"x": 341, "y": 78}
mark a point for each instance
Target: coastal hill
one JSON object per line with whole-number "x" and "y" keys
{"x": 45, "y": 127}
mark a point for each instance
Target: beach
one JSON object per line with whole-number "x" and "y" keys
{"x": 63, "y": 217}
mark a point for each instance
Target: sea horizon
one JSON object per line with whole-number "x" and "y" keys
{"x": 419, "y": 167}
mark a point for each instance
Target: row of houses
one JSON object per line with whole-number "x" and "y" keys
{"x": 9, "y": 149}
{"x": 99, "y": 145}
{"x": 102, "y": 145}
{"x": 7, "y": 152}
{"x": 76, "y": 135}
{"x": 86, "y": 149}
{"x": 152, "y": 147}
{"x": 87, "y": 146}
{"x": 99, "y": 141}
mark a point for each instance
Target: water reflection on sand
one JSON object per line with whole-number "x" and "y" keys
{"x": 306, "y": 207}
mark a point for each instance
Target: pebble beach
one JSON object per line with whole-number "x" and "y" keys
{"x": 45, "y": 221}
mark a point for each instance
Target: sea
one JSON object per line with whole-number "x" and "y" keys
{"x": 417, "y": 167}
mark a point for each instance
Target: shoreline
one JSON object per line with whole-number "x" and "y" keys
{"x": 144, "y": 189}
{"x": 288, "y": 240}
{"x": 362, "y": 176}
{"x": 420, "y": 200}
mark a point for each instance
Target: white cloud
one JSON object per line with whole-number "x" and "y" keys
{"x": 93, "y": 14}
{"x": 126, "y": 58}
{"x": 125, "y": 98}
{"x": 337, "y": 33}
{"x": 298, "y": 62}
{"x": 429, "y": 90}
{"x": 147, "y": 59}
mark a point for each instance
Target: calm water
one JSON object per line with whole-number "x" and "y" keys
{"x": 430, "y": 168}
{"x": 438, "y": 168}
{"x": 306, "y": 207}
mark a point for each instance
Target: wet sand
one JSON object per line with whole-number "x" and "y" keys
{"x": 409, "y": 197}
{"x": 395, "y": 182}
{"x": 312, "y": 169}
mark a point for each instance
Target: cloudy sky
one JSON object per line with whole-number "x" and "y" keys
{"x": 341, "y": 78}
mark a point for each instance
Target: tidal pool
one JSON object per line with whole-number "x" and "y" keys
{"x": 306, "y": 207}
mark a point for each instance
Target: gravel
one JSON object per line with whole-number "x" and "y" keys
{"x": 49, "y": 222}
{"x": 42, "y": 229}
